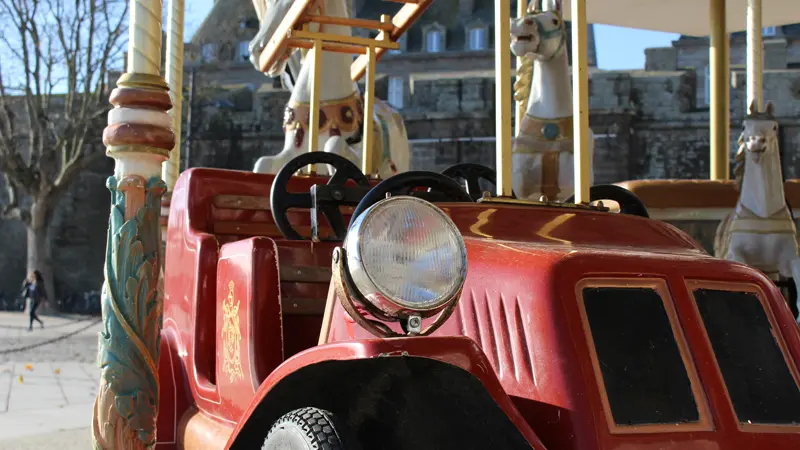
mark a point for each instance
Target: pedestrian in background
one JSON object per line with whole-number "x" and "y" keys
{"x": 33, "y": 289}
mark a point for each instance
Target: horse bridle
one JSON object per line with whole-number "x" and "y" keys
{"x": 535, "y": 9}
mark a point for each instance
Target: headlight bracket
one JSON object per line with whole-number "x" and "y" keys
{"x": 351, "y": 299}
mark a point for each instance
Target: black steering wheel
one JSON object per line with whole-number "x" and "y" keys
{"x": 629, "y": 203}
{"x": 441, "y": 189}
{"x": 325, "y": 198}
{"x": 472, "y": 173}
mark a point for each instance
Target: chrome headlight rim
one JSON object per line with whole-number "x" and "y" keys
{"x": 361, "y": 279}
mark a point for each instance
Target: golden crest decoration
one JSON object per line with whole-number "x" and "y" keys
{"x": 231, "y": 337}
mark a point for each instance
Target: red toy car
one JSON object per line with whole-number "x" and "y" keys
{"x": 438, "y": 322}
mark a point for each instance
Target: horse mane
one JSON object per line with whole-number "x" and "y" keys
{"x": 523, "y": 84}
{"x": 738, "y": 167}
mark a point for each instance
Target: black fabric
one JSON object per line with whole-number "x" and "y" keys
{"x": 758, "y": 380}
{"x": 643, "y": 372}
{"x": 392, "y": 403}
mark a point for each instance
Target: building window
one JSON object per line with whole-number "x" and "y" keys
{"x": 768, "y": 31}
{"x": 477, "y": 38}
{"x": 402, "y": 42}
{"x": 243, "y": 51}
{"x": 434, "y": 41}
{"x": 706, "y": 87}
{"x": 208, "y": 52}
{"x": 396, "y": 92}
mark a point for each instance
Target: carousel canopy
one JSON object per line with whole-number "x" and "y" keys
{"x": 689, "y": 17}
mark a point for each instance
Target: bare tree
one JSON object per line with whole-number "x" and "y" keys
{"x": 55, "y": 57}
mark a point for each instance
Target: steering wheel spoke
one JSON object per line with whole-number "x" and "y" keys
{"x": 326, "y": 199}
{"x": 472, "y": 173}
{"x": 335, "y": 219}
{"x": 297, "y": 200}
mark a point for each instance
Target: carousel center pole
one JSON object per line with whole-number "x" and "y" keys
{"x": 580, "y": 101}
{"x": 139, "y": 137}
{"x": 174, "y": 71}
{"x": 720, "y": 90}
{"x": 755, "y": 64}
{"x": 502, "y": 99}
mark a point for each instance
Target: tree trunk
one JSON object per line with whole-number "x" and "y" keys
{"x": 40, "y": 250}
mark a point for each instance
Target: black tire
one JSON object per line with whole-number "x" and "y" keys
{"x": 307, "y": 429}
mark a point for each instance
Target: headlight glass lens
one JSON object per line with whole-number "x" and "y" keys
{"x": 410, "y": 253}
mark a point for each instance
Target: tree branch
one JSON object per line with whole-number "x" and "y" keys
{"x": 56, "y": 45}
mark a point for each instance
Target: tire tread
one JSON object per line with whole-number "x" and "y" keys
{"x": 316, "y": 424}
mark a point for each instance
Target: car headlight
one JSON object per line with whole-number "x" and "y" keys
{"x": 406, "y": 257}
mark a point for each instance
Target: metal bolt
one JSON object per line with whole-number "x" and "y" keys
{"x": 543, "y": 199}
{"x": 338, "y": 195}
{"x": 414, "y": 322}
{"x": 336, "y": 255}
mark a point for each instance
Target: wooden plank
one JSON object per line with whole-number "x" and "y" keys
{"x": 303, "y": 306}
{"x": 305, "y": 274}
{"x": 242, "y": 202}
{"x": 270, "y": 53}
{"x": 328, "y": 47}
{"x": 262, "y": 229}
{"x": 355, "y": 23}
{"x": 402, "y": 21}
{"x": 342, "y": 39}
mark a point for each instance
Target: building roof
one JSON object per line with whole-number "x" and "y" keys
{"x": 446, "y": 14}
{"x": 223, "y": 25}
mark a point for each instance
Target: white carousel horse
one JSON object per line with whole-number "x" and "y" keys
{"x": 543, "y": 151}
{"x": 341, "y": 111}
{"x": 760, "y": 231}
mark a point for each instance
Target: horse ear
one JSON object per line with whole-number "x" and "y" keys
{"x": 753, "y": 107}
{"x": 769, "y": 108}
{"x": 552, "y": 5}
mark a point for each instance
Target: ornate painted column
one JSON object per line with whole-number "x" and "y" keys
{"x": 139, "y": 137}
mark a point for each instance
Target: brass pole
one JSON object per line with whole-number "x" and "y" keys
{"x": 369, "y": 109}
{"x": 580, "y": 101}
{"x": 720, "y": 90}
{"x": 174, "y": 71}
{"x": 502, "y": 71}
{"x": 521, "y": 11}
{"x": 313, "y": 116}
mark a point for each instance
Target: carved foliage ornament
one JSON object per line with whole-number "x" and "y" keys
{"x": 129, "y": 343}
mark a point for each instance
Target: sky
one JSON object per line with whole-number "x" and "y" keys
{"x": 618, "y": 48}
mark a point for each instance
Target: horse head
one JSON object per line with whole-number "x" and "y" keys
{"x": 272, "y": 14}
{"x": 539, "y": 33}
{"x": 760, "y": 133}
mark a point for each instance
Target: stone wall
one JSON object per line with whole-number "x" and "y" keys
{"x": 647, "y": 124}
{"x": 78, "y": 233}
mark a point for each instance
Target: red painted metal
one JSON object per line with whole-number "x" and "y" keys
{"x": 517, "y": 327}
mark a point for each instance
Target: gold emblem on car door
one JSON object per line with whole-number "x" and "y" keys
{"x": 231, "y": 337}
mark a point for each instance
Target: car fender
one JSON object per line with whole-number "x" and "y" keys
{"x": 461, "y": 354}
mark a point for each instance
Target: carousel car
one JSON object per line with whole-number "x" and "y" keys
{"x": 423, "y": 318}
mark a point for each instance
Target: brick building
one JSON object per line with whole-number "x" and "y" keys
{"x": 650, "y": 123}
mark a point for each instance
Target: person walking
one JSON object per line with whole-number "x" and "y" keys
{"x": 33, "y": 289}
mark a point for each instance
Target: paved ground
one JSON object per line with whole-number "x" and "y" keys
{"x": 48, "y": 382}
